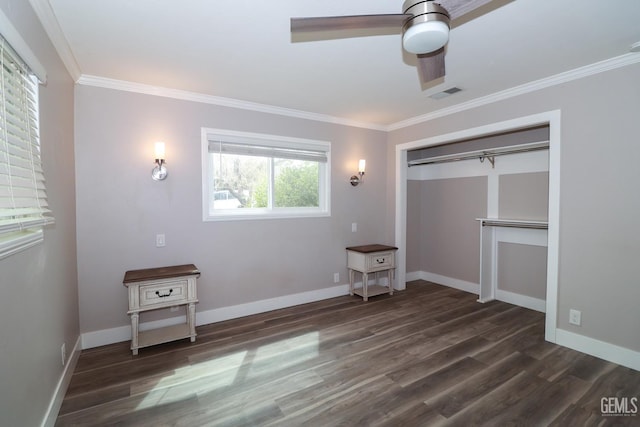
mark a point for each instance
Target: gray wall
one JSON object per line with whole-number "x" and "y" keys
{"x": 414, "y": 226}
{"x": 524, "y": 196}
{"x": 121, "y": 209}
{"x": 522, "y": 269}
{"x": 39, "y": 306}
{"x": 447, "y": 234}
{"x": 599, "y": 207}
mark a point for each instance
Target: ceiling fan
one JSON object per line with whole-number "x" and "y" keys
{"x": 425, "y": 28}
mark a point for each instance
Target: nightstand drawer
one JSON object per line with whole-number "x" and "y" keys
{"x": 380, "y": 260}
{"x": 163, "y": 293}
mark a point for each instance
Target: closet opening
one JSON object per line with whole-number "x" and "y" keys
{"x": 481, "y": 225}
{"x": 478, "y": 210}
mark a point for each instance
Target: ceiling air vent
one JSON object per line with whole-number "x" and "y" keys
{"x": 445, "y": 93}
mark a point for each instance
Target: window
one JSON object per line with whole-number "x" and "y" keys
{"x": 248, "y": 175}
{"x": 23, "y": 200}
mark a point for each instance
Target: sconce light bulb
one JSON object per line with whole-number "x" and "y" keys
{"x": 361, "y": 166}
{"x": 160, "y": 171}
{"x": 159, "y": 150}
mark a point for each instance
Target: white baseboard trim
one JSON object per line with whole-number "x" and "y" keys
{"x": 413, "y": 275}
{"x": 106, "y": 336}
{"x": 502, "y": 295}
{"x": 123, "y": 333}
{"x": 451, "y": 282}
{"x": 61, "y": 388}
{"x": 603, "y": 350}
{"x": 241, "y": 310}
{"x": 522, "y": 300}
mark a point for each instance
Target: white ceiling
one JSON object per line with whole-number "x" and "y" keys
{"x": 243, "y": 50}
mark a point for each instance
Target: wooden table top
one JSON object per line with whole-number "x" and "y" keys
{"x": 366, "y": 249}
{"x": 160, "y": 273}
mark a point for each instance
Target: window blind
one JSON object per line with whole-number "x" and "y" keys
{"x": 279, "y": 152}
{"x": 23, "y": 200}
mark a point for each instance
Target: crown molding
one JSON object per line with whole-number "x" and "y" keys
{"x": 568, "y": 76}
{"x": 49, "y": 22}
{"x": 96, "y": 81}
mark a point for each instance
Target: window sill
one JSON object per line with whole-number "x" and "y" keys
{"x": 16, "y": 242}
{"x": 235, "y": 216}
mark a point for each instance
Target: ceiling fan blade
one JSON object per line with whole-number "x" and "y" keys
{"x": 431, "y": 65}
{"x": 458, "y": 8}
{"x": 354, "y": 22}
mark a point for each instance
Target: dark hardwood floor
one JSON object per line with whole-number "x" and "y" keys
{"x": 426, "y": 356}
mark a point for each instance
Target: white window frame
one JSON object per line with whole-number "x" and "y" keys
{"x": 264, "y": 140}
{"x": 24, "y": 209}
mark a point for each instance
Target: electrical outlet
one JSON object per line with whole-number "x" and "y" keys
{"x": 160, "y": 242}
{"x": 575, "y": 317}
{"x": 354, "y": 227}
{"x": 63, "y": 353}
{"x": 336, "y": 277}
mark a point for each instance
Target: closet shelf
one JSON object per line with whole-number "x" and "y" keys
{"x": 489, "y": 153}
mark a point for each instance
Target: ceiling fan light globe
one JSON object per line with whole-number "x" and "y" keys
{"x": 425, "y": 37}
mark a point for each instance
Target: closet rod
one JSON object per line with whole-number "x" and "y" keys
{"x": 515, "y": 225}
{"x": 482, "y": 154}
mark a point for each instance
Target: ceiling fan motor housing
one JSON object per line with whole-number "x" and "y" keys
{"x": 428, "y": 29}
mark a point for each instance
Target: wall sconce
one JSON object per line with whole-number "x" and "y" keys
{"x": 160, "y": 171}
{"x": 357, "y": 179}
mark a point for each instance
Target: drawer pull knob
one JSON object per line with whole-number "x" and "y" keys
{"x": 164, "y": 295}
{"x": 380, "y": 260}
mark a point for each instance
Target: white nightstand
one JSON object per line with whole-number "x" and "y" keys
{"x": 155, "y": 288}
{"x": 371, "y": 259}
